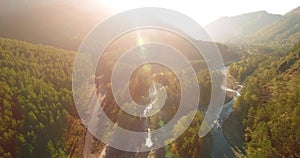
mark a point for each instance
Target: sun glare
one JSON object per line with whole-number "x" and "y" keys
{"x": 140, "y": 39}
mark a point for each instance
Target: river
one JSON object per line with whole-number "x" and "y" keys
{"x": 221, "y": 147}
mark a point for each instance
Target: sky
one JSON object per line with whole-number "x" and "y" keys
{"x": 203, "y": 11}
{"x": 206, "y": 11}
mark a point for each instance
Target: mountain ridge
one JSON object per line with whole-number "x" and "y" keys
{"x": 285, "y": 32}
{"x": 227, "y": 28}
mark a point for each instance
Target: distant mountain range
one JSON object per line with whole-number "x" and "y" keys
{"x": 228, "y": 28}
{"x": 258, "y": 28}
{"x": 65, "y": 26}
{"x": 285, "y": 32}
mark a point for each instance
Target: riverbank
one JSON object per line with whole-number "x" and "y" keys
{"x": 232, "y": 126}
{"x": 227, "y": 124}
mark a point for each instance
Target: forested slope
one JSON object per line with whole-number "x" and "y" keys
{"x": 270, "y": 103}
{"x": 36, "y": 102}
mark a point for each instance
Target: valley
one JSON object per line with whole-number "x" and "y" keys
{"x": 38, "y": 116}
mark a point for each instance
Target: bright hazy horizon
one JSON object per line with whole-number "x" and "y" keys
{"x": 203, "y": 12}
{"x": 208, "y": 11}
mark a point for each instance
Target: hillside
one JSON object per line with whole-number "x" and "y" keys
{"x": 37, "y": 114}
{"x": 269, "y": 106}
{"x": 228, "y": 28}
{"x": 285, "y": 32}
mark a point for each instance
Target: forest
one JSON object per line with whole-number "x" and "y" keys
{"x": 38, "y": 115}
{"x": 269, "y": 104}
{"x": 39, "y": 118}
{"x": 36, "y": 102}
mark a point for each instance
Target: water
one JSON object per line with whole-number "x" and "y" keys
{"x": 153, "y": 92}
{"x": 149, "y": 142}
{"x": 221, "y": 148}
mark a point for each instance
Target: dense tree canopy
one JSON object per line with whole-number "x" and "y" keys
{"x": 35, "y": 99}
{"x": 270, "y": 103}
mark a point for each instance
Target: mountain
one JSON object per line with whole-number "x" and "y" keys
{"x": 228, "y": 28}
{"x": 285, "y": 32}
{"x": 59, "y": 25}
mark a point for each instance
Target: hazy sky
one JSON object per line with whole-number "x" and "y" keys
{"x": 200, "y": 10}
{"x": 205, "y": 11}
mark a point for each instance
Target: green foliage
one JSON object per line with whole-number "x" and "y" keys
{"x": 270, "y": 105}
{"x": 35, "y": 97}
{"x": 189, "y": 143}
{"x": 240, "y": 70}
